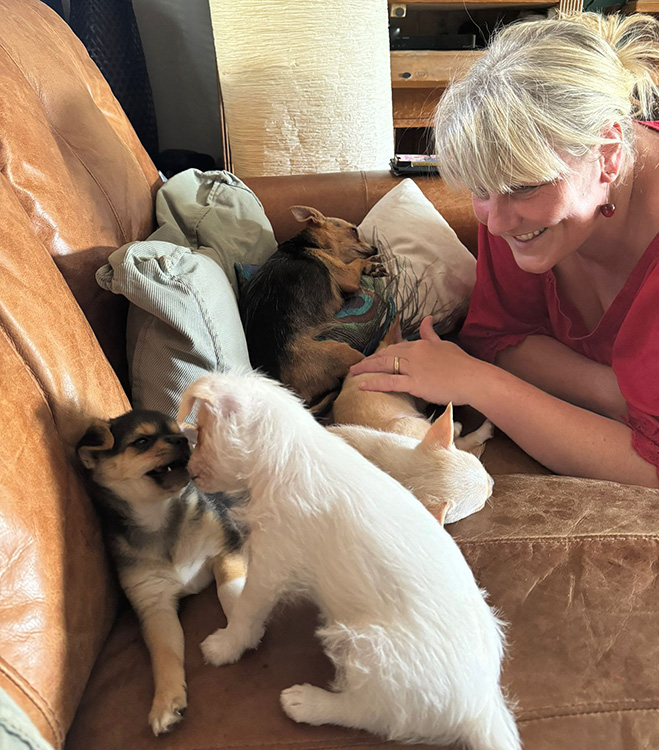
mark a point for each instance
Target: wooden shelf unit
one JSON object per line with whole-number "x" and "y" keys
{"x": 480, "y": 4}
{"x": 429, "y": 68}
{"x": 642, "y": 6}
{"x": 441, "y": 4}
{"x": 415, "y": 108}
{"x": 419, "y": 77}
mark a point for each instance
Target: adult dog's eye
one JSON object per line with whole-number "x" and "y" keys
{"x": 141, "y": 442}
{"x": 354, "y": 231}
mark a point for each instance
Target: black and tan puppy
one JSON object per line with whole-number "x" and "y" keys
{"x": 166, "y": 538}
{"x": 293, "y": 298}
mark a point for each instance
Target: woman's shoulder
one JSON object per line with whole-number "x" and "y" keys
{"x": 643, "y": 310}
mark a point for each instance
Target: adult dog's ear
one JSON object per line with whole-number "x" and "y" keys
{"x": 393, "y": 336}
{"x": 98, "y": 438}
{"x": 306, "y": 213}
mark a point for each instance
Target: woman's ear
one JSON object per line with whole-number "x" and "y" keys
{"x": 611, "y": 153}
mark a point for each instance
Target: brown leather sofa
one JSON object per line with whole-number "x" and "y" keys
{"x": 571, "y": 564}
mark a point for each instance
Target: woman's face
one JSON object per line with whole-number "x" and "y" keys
{"x": 545, "y": 223}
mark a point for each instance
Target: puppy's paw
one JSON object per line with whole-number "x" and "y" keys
{"x": 375, "y": 269}
{"x": 167, "y": 710}
{"x": 457, "y": 430}
{"x": 305, "y": 703}
{"x": 229, "y": 592}
{"x": 219, "y": 649}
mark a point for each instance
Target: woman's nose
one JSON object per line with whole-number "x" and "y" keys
{"x": 496, "y": 213}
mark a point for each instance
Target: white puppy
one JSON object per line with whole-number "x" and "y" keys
{"x": 417, "y": 650}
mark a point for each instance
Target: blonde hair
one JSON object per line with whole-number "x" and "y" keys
{"x": 545, "y": 90}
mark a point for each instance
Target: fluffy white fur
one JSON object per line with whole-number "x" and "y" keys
{"x": 445, "y": 478}
{"x": 417, "y": 650}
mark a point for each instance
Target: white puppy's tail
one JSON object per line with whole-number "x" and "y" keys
{"x": 496, "y": 729}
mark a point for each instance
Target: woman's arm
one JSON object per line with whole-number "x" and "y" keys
{"x": 556, "y": 369}
{"x": 566, "y": 438}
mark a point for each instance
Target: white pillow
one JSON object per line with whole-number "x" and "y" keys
{"x": 436, "y": 272}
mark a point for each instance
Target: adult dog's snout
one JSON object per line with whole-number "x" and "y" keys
{"x": 368, "y": 251}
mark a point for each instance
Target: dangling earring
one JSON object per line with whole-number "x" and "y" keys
{"x": 608, "y": 209}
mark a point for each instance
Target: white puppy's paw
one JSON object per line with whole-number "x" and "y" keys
{"x": 167, "y": 709}
{"x": 457, "y": 430}
{"x": 305, "y": 703}
{"x": 228, "y": 593}
{"x": 219, "y": 649}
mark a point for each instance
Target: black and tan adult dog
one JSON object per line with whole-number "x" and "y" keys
{"x": 292, "y": 299}
{"x": 166, "y": 538}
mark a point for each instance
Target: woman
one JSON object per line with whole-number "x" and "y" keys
{"x": 563, "y": 326}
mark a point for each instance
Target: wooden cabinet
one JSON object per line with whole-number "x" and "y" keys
{"x": 419, "y": 77}
{"x": 642, "y": 6}
{"x": 420, "y": 69}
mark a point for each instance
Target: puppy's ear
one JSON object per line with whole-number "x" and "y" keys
{"x": 199, "y": 390}
{"x": 306, "y": 213}
{"x": 187, "y": 405}
{"x": 98, "y": 438}
{"x": 190, "y": 431}
{"x": 225, "y": 403}
{"x": 440, "y": 434}
{"x": 393, "y": 336}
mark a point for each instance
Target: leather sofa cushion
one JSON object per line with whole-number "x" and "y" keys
{"x": 564, "y": 560}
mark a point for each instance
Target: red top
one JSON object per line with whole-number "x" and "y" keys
{"x": 509, "y": 304}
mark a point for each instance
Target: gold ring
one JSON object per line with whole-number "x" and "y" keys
{"x": 396, "y": 366}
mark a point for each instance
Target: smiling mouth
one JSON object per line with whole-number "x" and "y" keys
{"x": 528, "y": 237}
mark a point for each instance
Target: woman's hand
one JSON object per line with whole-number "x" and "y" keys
{"x": 434, "y": 370}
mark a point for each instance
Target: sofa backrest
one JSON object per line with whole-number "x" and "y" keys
{"x": 74, "y": 185}
{"x": 351, "y": 195}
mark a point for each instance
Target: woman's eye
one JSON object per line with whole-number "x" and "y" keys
{"x": 524, "y": 188}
